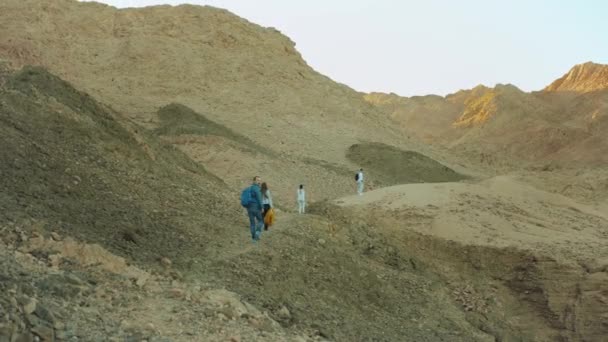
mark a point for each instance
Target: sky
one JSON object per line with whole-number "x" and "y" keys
{"x": 433, "y": 46}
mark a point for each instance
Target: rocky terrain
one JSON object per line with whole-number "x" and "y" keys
{"x": 552, "y": 138}
{"x": 127, "y": 135}
{"x": 583, "y": 78}
{"x": 562, "y": 123}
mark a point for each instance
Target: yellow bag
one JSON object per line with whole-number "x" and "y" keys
{"x": 269, "y": 218}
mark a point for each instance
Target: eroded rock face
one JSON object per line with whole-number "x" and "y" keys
{"x": 582, "y": 78}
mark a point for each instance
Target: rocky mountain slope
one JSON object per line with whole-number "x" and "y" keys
{"x": 563, "y": 123}
{"x": 247, "y": 78}
{"x": 582, "y": 78}
{"x": 241, "y": 75}
{"x": 102, "y": 220}
{"x": 68, "y": 164}
{"x": 123, "y": 154}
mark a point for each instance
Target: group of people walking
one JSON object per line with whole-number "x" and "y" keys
{"x": 257, "y": 199}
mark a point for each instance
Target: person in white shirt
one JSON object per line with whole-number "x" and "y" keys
{"x": 301, "y": 196}
{"x": 359, "y": 180}
{"x": 266, "y": 202}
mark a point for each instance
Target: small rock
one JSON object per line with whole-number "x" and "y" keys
{"x": 16, "y": 320}
{"x": 165, "y": 262}
{"x": 176, "y": 275}
{"x": 176, "y": 293}
{"x": 33, "y": 320}
{"x": 236, "y": 338}
{"x": 284, "y": 313}
{"x": 74, "y": 279}
{"x": 141, "y": 281}
{"x": 54, "y": 260}
{"x": 5, "y": 332}
{"x": 23, "y": 237}
{"x": 55, "y": 236}
{"x": 62, "y": 335}
{"x": 23, "y": 338}
{"x": 254, "y": 322}
{"x": 58, "y": 325}
{"x": 45, "y": 333}
{"x": 45, "y": 314}
{"x": 261, "y": 323}
{"x": 28, "y": 305}
{"x": 321, "y": 241}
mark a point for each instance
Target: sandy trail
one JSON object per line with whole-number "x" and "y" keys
{"x": 498, "y": 212}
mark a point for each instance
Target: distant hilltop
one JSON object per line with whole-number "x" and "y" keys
{"x": 582, "y": 78}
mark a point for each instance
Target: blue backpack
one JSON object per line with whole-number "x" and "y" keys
{"x": 246, "y": 197}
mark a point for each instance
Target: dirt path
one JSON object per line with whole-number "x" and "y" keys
{"x": 497, "y": 212}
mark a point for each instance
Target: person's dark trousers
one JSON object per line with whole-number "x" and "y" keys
{"x": 266, "y": 209}
{"x": 255, "y": 214}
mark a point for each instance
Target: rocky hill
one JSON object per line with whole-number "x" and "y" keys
{"x": 103, "y": 220}
{"x": 244, "y": 76}
{"x": 582, "y": 78}
{"x": 536, "y": 127}
{"x": 69, "y": 165}
{"x": 241, "y": 76}
{"x": 124, "y": 146}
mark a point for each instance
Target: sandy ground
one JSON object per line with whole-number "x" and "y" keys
{"x": 497, "y": 212}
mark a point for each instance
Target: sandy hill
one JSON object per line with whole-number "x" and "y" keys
{"x": 241, "y": 75}
{"x": 582, "y": 78}
{"x": 249, "y": 79}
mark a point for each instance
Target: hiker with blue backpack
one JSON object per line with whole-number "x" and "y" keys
{"x": 251, "y": 199}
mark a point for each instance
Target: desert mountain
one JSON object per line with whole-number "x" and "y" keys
{"x": 122, "y": 151}
{"x": 582, "y": 78}
{"x": 102, "y": 217}
{"x": 236, "y": 74}
{"x": 557, "y": 126}
{"x": 241, "y": 75}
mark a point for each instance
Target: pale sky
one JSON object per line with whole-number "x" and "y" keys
{"x": 433, "y": 46}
